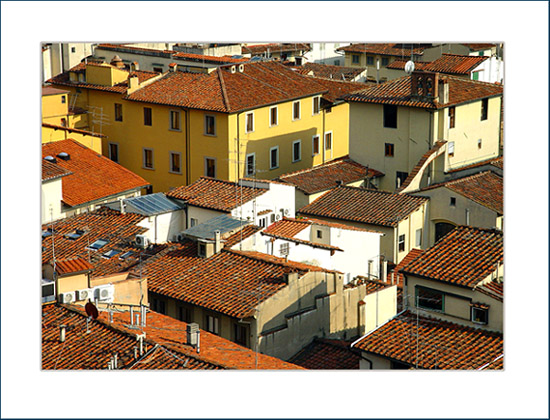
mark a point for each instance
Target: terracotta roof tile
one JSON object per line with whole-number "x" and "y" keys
{"x": 395, "y": 50}
{"x": 327, "y": 71}
{"x": 48, "y": 90}
{"x": 215, "y": 194}
{"x": 338, "y": 88}
{"x": 496, "y": 162}
{"x": 435, "y": 149}
{"x": 464, "y": 257}
{"x": 442, "y": 345}
{"x": 398, "y": 92}
{"x": 288, "y": 227}
{"x": 372, "y": 285}
{"x": 397, "y": 276}
{"x": 275, "y": 48}
{"x": 326, "y": 353}
{"x": 241, "y": 235}
{"x": 494, "y": 289}
{"x": 72, "y": 265}
{"x": 485, "y": 188}
{"x": 93, "y": 177}
{"x": 480, "y": 46}
{"x": 364, "y": 206}
{"x": 52, "y": 171}
{"x": 260, "y": 84}
{"x": 324, "y": 177}
{"x": 455, "y": 64}
{"x": 400, "y": 64}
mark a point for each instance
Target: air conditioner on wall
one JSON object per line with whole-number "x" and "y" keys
{"x": 84, "y": 294}
{"x": 142, "y": 241}
{"x": 105, "y": 293}
{"x": 67, "y": 297}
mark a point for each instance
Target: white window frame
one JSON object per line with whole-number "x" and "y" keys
{"x": 299, "y": 111}
{"x": 206, "y": 166}
{"x": 451, "y": 148}
{"x": 331, "y": 142}
{"x": 193, "y": 221}
{"x": 253, "y": 155}
{"x": 318, "y": 137}
{"x": 170, "y": 120}
{"x": 117, "y": 151}
{"x": 152, "y": 158}
{"x": 404, "y": 242}
{"x": 246, "y": 122}
{"x": 215, "y": 125}
{"x": 299, "y": 142}
{"x": 313, "y": 105}
{"x": 270, "y": 161}
{"x": 170, "y": 163}
{"x": 277, "y": 116}
{"x": 418, "y": 238}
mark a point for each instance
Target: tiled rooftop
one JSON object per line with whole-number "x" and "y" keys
{"x": 441, "y": 344}
{"x": 479, "y": 46}
{"x": 324, "y": 177}
{"x": 397, "y": 276}
{"x": 275, "y": 48}
{"x": 93, "y": 177}
{"x": 241, "y": 235}
{"x": 326, "y": 353}
{"x": 260, "y": 84}
{"x": 494, "y": 289}
{"x": 215, "y": 194}
{"x": 496, "y": 162}
{"x": 395, "y": 50}
{"x": 230, "y": 282}
{"x": 433, "y": 151}
{"x": 327, "y": 71}
{"x": 400, "y": 64}
{"x": 288, "y": 227}
{"x": 338, "y": 88}
{"x": 455, "y": 64}
{"x": 365, "y": 206}
{"x": 398, "y": 92}
{"x": 48, "y": 90}
{"x": 52, "y": 171}
{"x": 72, "y": 265}
{"x": 464, "y": 257}
{"x": 165, "y": 340}
{"x": 485, "y": 188}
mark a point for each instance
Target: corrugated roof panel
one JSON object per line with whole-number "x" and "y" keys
{"x": 152, "y": 204}
{"x": 223, "y": 223}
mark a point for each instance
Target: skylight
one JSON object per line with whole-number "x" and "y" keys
{"x": 75, "y": 235}
{"x": 100, "y": 243}
{"x": 111, "y": 253}
{"x": 46, "y": 233}
{"x": 126, "y": 255}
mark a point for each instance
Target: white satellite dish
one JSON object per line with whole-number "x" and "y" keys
{"x": 409, "y": 67}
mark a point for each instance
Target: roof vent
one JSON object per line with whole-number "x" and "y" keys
{"x": 233, "y": 69}
{"x": 241, "y": 68}
{"x": 50, "y": 159}
{"x": 63, "y": 156}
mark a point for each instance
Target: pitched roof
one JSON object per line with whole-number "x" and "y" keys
{"x": 397, "y": 276}
{"x": 326, "y": 353}
{"x": 323, "y": 177}
{"x": 455, "y": 64}
{"x": 165, "y": 339}
{"x": 230, "y": 282}
{"x": 48, "y": 90}
{"x": 395, "y": 50}
{"x": 93, "y": 177}
{"x": 72, "y": 265}
{"x": 365, "y": 206}
{"x": 241, "y": 235}
{"x": 441, "y": 344}
{"x": 260, "y": 84}
{"x": 275, "y": 48}
{"x": 485, "y": 188}
{"x": 327, "y": 71}
{"x": 337, "y": 88}
{"x": 398, "y": 92}
{"x": 496, "y": 162}
{"x": 400, "y": 64}
{"x": 288, "y": 227}
{"x": 422, "y": 162}
{"x": 464, "y": 257}
{"x": 494, "y": 289}
{"x": 52, "y": 171}
{"x": 73, "y": 130}
{"x": 479, "y": 46}
{"x": 215, "y": 194}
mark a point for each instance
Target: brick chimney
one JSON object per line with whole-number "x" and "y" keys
{"x": 443, "y": 91}
{"x": 133, "y": 83}
{"x": 424, "y": 85}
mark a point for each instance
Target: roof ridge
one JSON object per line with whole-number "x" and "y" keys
{"x": 225, "y": 99}
{"x": 322, "y": 165}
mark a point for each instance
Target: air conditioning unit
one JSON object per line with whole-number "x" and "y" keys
{"x": 277, "y": 217}
{"x": 105, "y": 293}
{"x": 84, "y": 294}
{"x": 67, "y": 297}
{"x": 180, "y": 237}
{"x": 142, "y": 241}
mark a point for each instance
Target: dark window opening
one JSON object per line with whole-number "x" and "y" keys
{"x": 429, "y": 299}
{"x": 390, "y": 116}
{"x": 147, "y": 116}
{"x": 388, "y": 149}
{"x": 484, "y": 108}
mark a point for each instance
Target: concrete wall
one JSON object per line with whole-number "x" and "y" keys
{"x": 163, "y": 228}
{"x": 202, "y": 215}
{"x": 380, "y": 307}
{"x": 128, "y": 290}
{"x": 51, "y": 196}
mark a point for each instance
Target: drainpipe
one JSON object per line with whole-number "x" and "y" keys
{"x": 187, "y": 147}
{"x": 323, "y": 139}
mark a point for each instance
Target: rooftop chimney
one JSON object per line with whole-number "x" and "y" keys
{"x": 193, "y": 335}
{"x": 443, "y": 91}
{"x": 134, "y": 65}
{"x": 218, "y": 245}
{"x": 172, "y": 67}
{"x": 62, "y": 333}
{"x": 133, "y": 83}
{"x": 424, "y": 85}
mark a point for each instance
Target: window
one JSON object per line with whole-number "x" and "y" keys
{"x": 297, "y": 151}
{"x": 175, "y": 162}
{"x": 194, "y": 222}
{"x": 316, "y": 105}
{"x": 385, "y": 61}
{"x": 479, "y": 143}
{"x": 63, "y": 99}
{"x": 73, "y": 49}
{"x": 328, "y": 141}
{"x": 111, "y": 253}
{"x": 250, "y": 122}
{"x": 355, "y": 59}
{"x": 185, "y": 314}
{"x": 274, "y": 157}
{"x": 388, "y": 149}
{"x": 158, "y": 305}
{"x": 285, "y": 248}
{"x": 401, "y": 243}
{"x": 484, "y": 108}
{"x": 336, "y": 62}
{"x": 453, "y": 202}
{"x": 475, "y": 75}
{"x": 212, "y": 324}
{"x": 429, "y": 299}
{"x": 479, "y": 314}
{"x": 64, "y": 122}
{"x": 400, "y": 177}
{"x": 273, "y": 116}
{"x": 147, "y": 116}
{"x": 210, "y": 125}
{"x": 296, "y": 110}
{"x": 390, "y": 116}
{"x": 113, "y": 152}
{"x": 158, "y": 69}
{"x": 451, "y": 148}
{"x": 319, "y": 234}
{"x": 418, "y": 239}
{"x": 262, "y": 222}
{"x": 251, "y": 164}
{"x": 241, "y": 334}
{"x": 118, "y": 112}
{"x": 202, "y": 249}
{"x": 452, "y": 111}
{"x": 210, "y": 167}
{"x": 315, "y": 145}
{"x": 175, "y": 120}
{"x": 370, "y": 61}
{"x": 148, "y": 158}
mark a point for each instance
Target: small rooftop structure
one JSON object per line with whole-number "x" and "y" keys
{"x": 224, "y": 224}
{"x": 151, "y": 204}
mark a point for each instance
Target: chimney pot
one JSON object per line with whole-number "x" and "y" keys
{"x": 62, "y": 333}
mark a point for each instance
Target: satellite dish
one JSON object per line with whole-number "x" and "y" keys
{"x": 91, "y": 310}
{"x": 409, "y": 67}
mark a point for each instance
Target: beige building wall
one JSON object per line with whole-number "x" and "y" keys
{"x": 128, "y": 290}
{"x": 379, "y": 307}
{"x": 51, "y": 196}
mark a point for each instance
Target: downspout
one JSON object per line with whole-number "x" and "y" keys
{"x": 323, "y": 145}
{"x": 187, "y": 147}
